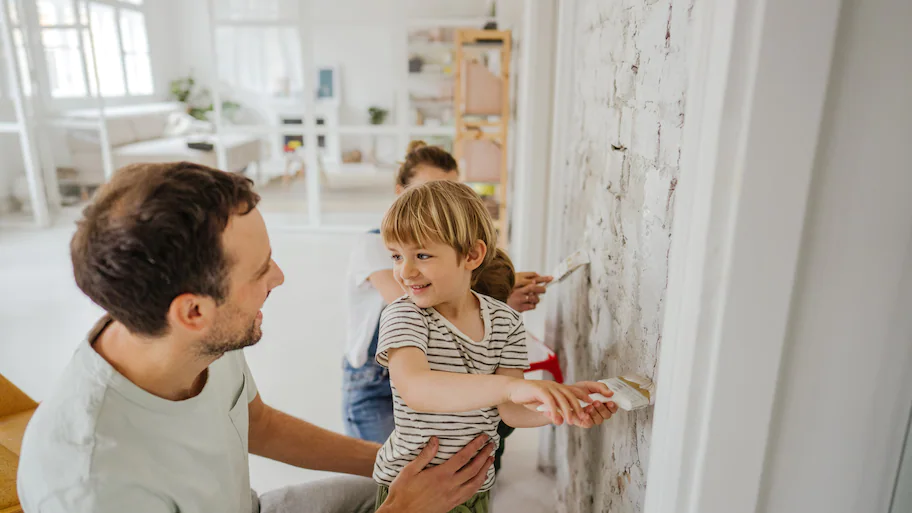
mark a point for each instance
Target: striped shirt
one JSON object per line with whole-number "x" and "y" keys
{"x": 404, "y": 324}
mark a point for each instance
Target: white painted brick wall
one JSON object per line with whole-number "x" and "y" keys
{"x": 619, "y": 169}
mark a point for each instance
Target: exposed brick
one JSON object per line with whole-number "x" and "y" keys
{"x": 620, "y": 170}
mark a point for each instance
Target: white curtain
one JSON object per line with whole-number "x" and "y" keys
{"x": 264, "y": 60}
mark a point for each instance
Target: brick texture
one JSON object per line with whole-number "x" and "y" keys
{"x": 620, "y": 169}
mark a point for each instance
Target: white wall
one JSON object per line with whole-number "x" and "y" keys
{"x": 845, "y": 390}
{"x": 356, "y": 35}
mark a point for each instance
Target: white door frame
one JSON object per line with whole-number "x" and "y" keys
{"x": 754, "y": 106}
{"x": 37, "y": 188}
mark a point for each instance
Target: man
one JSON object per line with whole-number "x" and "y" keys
{"x": 157, "y": 410}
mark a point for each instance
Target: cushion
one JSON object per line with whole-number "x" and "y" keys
{"x": 120, "y": 131}
{"x": 149, "y": 126}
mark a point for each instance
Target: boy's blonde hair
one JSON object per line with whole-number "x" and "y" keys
{"x": 441, "y": 211}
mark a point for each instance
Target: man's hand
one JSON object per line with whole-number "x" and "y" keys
{"x": 597, "y": 412}
{"x": 525, "y": 293}
{"x": 442, "y": 488}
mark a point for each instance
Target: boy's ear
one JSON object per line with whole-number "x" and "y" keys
{"x": 476, "y": 255}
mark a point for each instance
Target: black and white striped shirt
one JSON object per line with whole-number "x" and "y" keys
{"x": 404, "y": 324}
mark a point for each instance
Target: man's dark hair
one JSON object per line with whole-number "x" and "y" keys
{"x": 154, "y": 232}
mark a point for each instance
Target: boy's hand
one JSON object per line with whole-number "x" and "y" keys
{"x": 562, "y": 401}
{"x": 596, "y": 412}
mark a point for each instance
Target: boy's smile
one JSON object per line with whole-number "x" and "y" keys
{"x": 431, "y": 274}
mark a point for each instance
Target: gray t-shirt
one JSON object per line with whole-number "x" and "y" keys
{"x": 101, "y": 444}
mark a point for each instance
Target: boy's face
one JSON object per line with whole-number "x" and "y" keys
{"x": 433, "y": 274}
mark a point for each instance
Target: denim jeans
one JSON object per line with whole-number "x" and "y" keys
{"x": 367, "y": 400}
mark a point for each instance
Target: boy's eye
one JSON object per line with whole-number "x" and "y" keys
{"x": 423, "y": 256}
{"x": 396, "y": 258}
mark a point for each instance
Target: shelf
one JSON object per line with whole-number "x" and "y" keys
{"x": 433, "y": 101}
{"x": 430, "y": 74}
{"x": 433, "y": 130}
{"x": 449, "y": 22}
{"x": 477, "y": 123}
{"x": 368, "y": 130}
{"x": 431, "y": 46}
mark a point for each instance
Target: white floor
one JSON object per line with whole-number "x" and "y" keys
{"x": 297, "y": 364}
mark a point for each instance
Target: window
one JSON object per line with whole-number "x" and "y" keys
{"x": 19, "y": 45}
{"x": 77, "y": 35}
{"x": 259, "y": 45}
{"x": 136, "y": 52}
{"x": 265, "y": 60}
{"x": 61, "y": 51}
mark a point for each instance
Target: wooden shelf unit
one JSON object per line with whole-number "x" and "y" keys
{"x": 469, "y": 128}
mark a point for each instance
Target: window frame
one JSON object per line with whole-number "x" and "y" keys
{"x": 30, "y": 22}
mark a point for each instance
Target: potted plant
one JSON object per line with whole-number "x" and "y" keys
{"x": 199, "y": 101}
{"x": 377, "y": 116}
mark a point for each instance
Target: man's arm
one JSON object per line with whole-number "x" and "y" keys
{"x": 441, "y": 488}
{"x": 281, "y": 437}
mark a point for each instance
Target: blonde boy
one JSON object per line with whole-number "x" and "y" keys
{"x": 456, "y": 358}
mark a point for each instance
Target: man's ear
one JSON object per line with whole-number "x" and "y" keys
{"x": 476, "y": 255}
{"x": 192, "y": 313}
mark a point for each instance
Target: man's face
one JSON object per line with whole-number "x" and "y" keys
{"x": 252, "y": 274}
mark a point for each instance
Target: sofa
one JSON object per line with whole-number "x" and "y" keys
{"x": 150, "y": 133}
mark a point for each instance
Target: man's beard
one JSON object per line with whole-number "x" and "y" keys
{"x": 221, "y": 341}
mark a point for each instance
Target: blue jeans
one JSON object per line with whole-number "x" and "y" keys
{"x": 367, "y": 399}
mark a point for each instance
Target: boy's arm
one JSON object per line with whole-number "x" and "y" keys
{"x": 426, "y": 390}
{"x": 518, "y": 416}
{"x": 404, "y": 335}
{"x": 440, "y": 392}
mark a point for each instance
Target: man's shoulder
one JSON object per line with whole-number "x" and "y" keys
{"x": 59, "y": 442}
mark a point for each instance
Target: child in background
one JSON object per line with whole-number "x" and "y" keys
{"x": 367, "y": 399}
{"x": 456, "y": 357}
{"x": 497, "y": 280}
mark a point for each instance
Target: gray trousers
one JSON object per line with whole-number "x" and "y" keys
{"x": 343, "y": 494}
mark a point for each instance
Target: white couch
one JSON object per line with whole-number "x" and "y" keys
{"x": 141, "y": 134}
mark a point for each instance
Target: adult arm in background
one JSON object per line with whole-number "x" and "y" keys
{"x": 529, "y": 286}
{"x": 386, "y": 285}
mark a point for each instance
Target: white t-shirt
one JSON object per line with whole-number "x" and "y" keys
{"x": 404, "y": 324}
{"x": 364, "y": 301}
{"x": 101, "y": 444}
